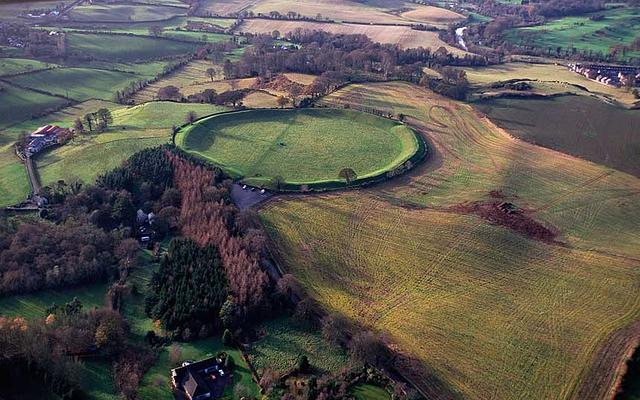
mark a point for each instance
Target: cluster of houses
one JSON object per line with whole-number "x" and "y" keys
{"x": 205, "y": 379}
{"x": 611, "y": 75}
{"x": 46, "y": 136}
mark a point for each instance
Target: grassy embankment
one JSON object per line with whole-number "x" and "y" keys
{"x": 307, "y": 146}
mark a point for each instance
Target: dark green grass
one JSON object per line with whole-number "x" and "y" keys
{"x": 302, "y": 146}
{"x": 78, "y": 83}
{"x": 619, "y": 27}
{"x": 369, "y": 392}
{"x": 17, "y": 104}
{"x": 97, "y": 380}
{"x": 285, "y": 339}
{"x": 33, "y": 306}
{"x": 125, "y": 48}
{"x": 10, "y": 66}
{"x": 124, "y": 12}
{"x": 576, "y": 125}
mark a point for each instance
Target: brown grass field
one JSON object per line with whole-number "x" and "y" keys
{"x": 490, "y": 314}
{"x": 403, "y": 36}
{"x": 193, "y": 79}
{"x": 389, "y": 12}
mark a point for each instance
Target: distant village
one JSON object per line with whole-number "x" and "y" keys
{"x": 612, "y": 75}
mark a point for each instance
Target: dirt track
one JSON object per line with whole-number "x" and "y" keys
{"x": 602, "y": 381}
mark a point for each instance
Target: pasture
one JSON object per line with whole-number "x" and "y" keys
{"x": 133, "y": 129}
{"x": 369, "y": 392}
{"x": 617, "y": 27}
{"x": 564, "y": 79}
{"x": 78, "y": 84}
{"x": 580, "y": 126}
{"x": 376, "y": 12}
{"x": 12, "y": 66}
{"x": 125, "y": 48}
{"x": 101, "y": 12}
{"x": 18, "y": 104}
{"x": 192, "y": 79}
{"x": 403, "y": 36}
{"x": 284, "y": 339}
{"x": 489, "y": 312}
{"x": 301, "y": 146}
{"x": 33, "y": 305}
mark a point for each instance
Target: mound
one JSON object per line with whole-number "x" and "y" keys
{"x": 301, "y": 147}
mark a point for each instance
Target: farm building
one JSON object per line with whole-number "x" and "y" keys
{"x": 611, "y": 75}
{"x": 46, "y": 136}
{"x": 205, "y": 379}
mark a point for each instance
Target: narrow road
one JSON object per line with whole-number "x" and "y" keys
{"x": 33, "y": 176}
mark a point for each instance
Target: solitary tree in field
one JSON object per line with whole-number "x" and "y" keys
{"x": 191, "y": 116}
{"x": 211, "y": 73}
{"x": 282, "y": 101}
{"x": 348, "y": 174}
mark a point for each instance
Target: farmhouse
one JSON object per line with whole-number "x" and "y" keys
{"x": 205, "y": 379}
{"x": 46, "y": 136}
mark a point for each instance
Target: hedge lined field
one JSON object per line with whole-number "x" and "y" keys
{"x": 284, "y": 339}
{"x": 581, "y": 126}
{"x": 17, "y": 104}
{"x": 618, "y": 27}
{"x": 403, "y": 36}
{"x": 123, "y": 12}
{"x": 33, "y": 305}
{"x": 302, "y": 146}
{"x": 125, "y": 48}
{"x": 492, "y": 313}
{"x": 79, "y": 84}
{"x": 10, "y": 66}
{"x": 133, "y": 129}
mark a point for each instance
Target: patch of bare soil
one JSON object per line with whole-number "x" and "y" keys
{"x": 609, "y": 366}
{"x": 511, "y": 216}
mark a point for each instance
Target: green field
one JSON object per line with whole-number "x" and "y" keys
{"x": 125, "y": 48}
{"x": 18, "y": 104}
{"x": 581, "y": 126}
{"x": 302, "y": 146}
{"x": 369, "y": 392}
{"x": 285, "y": 339}
{"x": 78, "y": 83}
{"x": 33, "y": 306}
{"x": 619, "y": 27}
{"x": 134, "y": 129}
{"x": 97, "y": 380}
{"x": 488, "y": 311}
{"x": 123, "y": 12}
{"x": 10, "y": 66}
